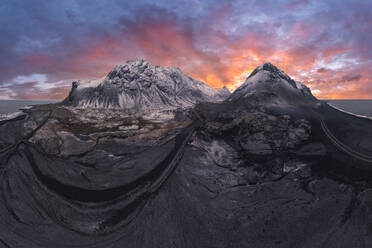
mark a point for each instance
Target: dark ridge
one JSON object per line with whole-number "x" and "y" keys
{"x": 86, "y": 195}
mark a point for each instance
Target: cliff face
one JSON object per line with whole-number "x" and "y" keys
{"x": 237, "y": 173}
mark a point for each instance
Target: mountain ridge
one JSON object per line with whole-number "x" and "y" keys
{"x": 144, "y": 87}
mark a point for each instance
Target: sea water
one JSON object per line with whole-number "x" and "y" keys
{"x": 10, "y": 106}
{"x": 358, "y": 107}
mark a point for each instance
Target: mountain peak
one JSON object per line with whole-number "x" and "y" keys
{"x": 136, "y": 61}
{"x": 224, "y": 89}
{"x": 131, "y": 66}
{"x": 268, "y": 84}
{"x": 268, "y": 67}
{"x": 272, "y": 69}
{"x": 224, "y": 92}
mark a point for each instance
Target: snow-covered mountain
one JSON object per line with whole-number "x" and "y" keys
{"x": 269, "y": 85}
{"x": 141, "y": 86}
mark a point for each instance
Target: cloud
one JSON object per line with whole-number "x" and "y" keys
{"x": 351, "y": 77}
{"x": 293, "y": 5}
{"x": 324, "y": 44}
{"x": 31, "y": 90}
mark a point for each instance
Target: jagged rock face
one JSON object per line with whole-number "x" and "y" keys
{"x": 140, "y": 86}
{"x": 268, "y": 85}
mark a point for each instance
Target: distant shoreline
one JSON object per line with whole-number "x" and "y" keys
{"x": 39, "y": 100}
{"x": 357, "y": 107}
{"x": 360, "y": 108}
{"x": 349, "y": 113}
{"x": 11, "y": 106}
{"x": 345, "y": 99}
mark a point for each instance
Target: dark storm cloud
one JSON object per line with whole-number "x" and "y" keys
{"x": 351, "y": 77}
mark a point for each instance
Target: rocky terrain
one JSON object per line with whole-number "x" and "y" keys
{"x": 266, "y": 167}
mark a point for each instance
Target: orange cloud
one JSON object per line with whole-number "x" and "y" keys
{"x": 230, "y": 62}
{"x": 212, "y": 56}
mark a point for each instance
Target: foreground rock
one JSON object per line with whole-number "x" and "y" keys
{"x": 227, "y": 174}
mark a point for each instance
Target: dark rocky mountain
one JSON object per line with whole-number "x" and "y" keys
{"x": 289, "y": 171}
{"x": 268, "y": 85}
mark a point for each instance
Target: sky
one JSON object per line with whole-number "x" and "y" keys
{"x": 46, "y": 44}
